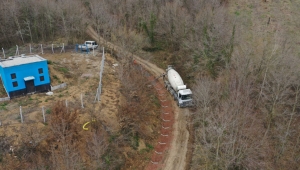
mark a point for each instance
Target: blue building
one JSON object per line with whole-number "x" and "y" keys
{"x": 24, "y": 74}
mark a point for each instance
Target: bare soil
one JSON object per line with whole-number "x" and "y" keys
{"x": 176, "y": 155}
{"x": 81, "y": 73}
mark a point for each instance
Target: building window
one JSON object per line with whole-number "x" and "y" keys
{"x": 40, "y": 70}
{"x": 41, "y": 78}
{"x": 13, "y": 76}
{"x": 15, "y": 84}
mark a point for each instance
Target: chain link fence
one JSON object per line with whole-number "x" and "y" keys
{"x": 27, "y": 110}
{"x": 30, "y": 113}
{"x": 43, "y": 49}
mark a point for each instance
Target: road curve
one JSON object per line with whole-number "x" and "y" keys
{"x": 176, "y": 155}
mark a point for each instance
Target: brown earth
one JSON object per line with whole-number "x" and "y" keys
{"x": 81, "y": 73}
{"x": 176, "y": 154}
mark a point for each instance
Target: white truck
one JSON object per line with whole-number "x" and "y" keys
{"x": 88, "y": 45}
{"x": 175, "y": 86}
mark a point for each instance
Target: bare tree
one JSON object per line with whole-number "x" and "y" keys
{"x": 63, "y": 123}
{"x": 96, "y": 148}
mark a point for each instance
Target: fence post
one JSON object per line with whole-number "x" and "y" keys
{"x": 42, "y": 48}
{"x": 52, "y": 49}
{"x": 29, "y": 48}
{"x": 63, "y": 48}
{"x": 96, "y": 95}
{"x": 17, "y": 50}
{"x": 44, "y": 114}
{"x": 101, "y": 71}
{"x": 21, "y": 114}
{"x": 66, "y": 103}
{"x": 81, "y": 101}
{"x": 93, "y": 51}
{"x": 3, "y": 53}
{"x": 99, "y": 93}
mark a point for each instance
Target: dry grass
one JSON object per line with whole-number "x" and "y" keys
{"x": 81, "y": 73}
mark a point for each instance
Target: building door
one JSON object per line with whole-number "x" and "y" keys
{"x": 29, "y": 86}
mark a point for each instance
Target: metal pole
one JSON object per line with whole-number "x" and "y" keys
{"x": 52, "y": 49}
{"x": 17, "y": 50}
{"x": 63, "y": 48}
{"x": 96, "y": 94}
{"x": 99, "y": 93}
{"x": 101, "y": 71}
{"x": 81, "y": 101}
{"x": 44, "y": 114}
{"x": 42, "y": 48}
{"x": 21, "y": 114}
{"x": 3, "y": 53}
{"x": 93, "y": 51}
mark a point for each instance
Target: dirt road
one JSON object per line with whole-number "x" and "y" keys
{"x": 176, "y": 156}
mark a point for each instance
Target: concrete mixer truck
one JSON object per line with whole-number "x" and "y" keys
{"x": 175, "y": 86}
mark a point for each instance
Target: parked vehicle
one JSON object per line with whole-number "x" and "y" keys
{"x": 88, "y": 45}
{"x": 176, "y": 87}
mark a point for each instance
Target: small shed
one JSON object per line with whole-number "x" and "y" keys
{"x": 21, "y": 75}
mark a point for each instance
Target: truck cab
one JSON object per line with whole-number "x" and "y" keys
{"x": 88, "y": 45}
{"x": 91, "y": 44}
{"x": 184, "y": 98}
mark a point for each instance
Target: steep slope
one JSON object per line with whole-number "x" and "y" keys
{"x": 176, "y": 155}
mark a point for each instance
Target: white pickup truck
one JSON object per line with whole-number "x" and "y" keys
{"x": 88, "y": 45}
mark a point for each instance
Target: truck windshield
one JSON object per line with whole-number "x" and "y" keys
{"x": 186, "y": 97}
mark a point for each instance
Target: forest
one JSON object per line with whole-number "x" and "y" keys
{"x": 240, "y": 59}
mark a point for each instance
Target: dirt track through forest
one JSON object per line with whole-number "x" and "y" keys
{"x": 175, "y": 156}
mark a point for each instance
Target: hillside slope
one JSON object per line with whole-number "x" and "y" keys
{"x": 179, "y": 144}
